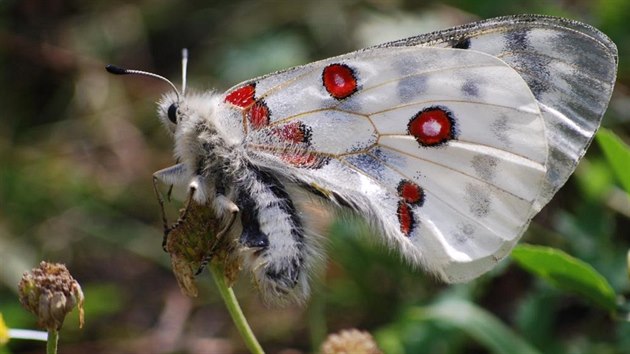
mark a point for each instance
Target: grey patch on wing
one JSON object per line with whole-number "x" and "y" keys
{"x": 478, "y": 200}
{"x": 533, "y": 67}
{"x": 464, "y": 232}
{"x": 405, "y": 65}
{"x": 577, "y": 51}
{"x": 470, "y": 88}
{"x": 517, "y": 40}
{"x": 411, "y": 87}
{"x": 468, "y": 229}
{"x": 500, "y": 130}
{"x": 368, "y": 164}
{"x": 485, "y": 166}
{"x": 388, "y": 157}
{"x": 350, "y": 104}
{"x": 362, "y": 145}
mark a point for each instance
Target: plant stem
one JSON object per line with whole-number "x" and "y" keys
{"x": 235, "y": 310}
{"x": 53, "y": 338}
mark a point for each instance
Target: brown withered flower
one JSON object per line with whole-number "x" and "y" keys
{"x": 50, "y": 292}
{"x": 197, "y": 237}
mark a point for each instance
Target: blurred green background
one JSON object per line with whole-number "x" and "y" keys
{"x": 78, "y": 147}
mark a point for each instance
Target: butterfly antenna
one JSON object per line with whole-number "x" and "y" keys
{"x": 112, "y": 69}
{"x": 184, "y": 68}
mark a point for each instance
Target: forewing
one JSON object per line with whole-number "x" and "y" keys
{"x": 443, "y": 150}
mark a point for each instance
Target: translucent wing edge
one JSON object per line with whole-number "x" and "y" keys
{"x": 452, "y": 35}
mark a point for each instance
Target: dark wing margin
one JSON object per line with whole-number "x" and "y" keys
{"x": 456, "y": 36}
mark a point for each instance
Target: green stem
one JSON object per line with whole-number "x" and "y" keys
{"x": 53, "y": 338}
{"x": 235, "y": 310}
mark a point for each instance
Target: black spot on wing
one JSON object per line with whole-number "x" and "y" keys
{"x": 462, "y": 43}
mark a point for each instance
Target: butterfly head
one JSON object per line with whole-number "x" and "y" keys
{"x": 172, "y": 111}
{"x": 171, "y": 108}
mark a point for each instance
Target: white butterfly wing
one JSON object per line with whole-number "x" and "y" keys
{"x": 570, "y": 67}
{"x": 448, "y": 152}
{"x": 475, "y": 190}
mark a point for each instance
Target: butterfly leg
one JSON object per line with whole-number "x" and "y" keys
{"x": 175, "y": 174}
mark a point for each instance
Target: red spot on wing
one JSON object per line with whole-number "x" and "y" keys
{"x": 259, "y": 115}
{"x": 294, "y": 132}
{"x": 242, "y": 97}
{"x": 405, "y": 218}
{"x": 303, "y": 159}
{"x": 410, "y": 192}
{"x": 339, "y": 80}
{"x": 432, "y": 126}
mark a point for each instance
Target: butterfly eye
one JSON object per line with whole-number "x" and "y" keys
{"x": 172, "y": 113}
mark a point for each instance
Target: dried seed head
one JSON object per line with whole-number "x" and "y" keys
{"x": 51, "y": 293}
{"x": 194, "y": 236}
{"x": 350, "y": 341}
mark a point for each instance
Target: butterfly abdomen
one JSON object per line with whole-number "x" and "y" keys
{"x": 273, "y": 235}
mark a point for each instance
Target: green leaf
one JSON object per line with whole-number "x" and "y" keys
{"x": 566, "y": 272}
{"x": 479, "y": 324}
{"x": 618, "y": 155}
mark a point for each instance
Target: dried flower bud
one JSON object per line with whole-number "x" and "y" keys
{"x": 195, "y": 235}
{"x": 350, "y": 341}
{"x": 51, "y": 293}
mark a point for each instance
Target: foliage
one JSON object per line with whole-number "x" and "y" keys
{"x": 78, "y": 147}
{"x": 567, "y": 273}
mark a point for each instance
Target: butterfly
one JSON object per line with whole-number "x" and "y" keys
{"x": 447, "y": 143}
